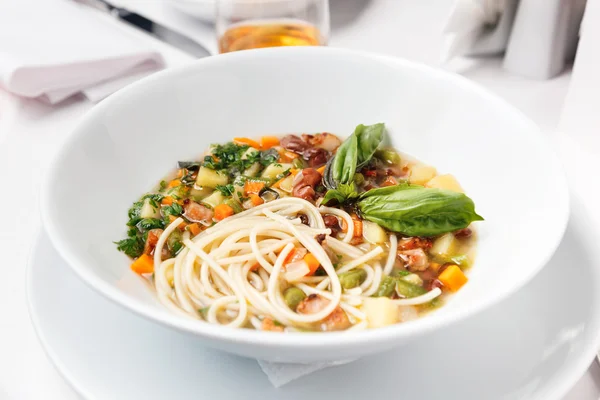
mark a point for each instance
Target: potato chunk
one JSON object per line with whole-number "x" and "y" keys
{"x": 447, "y": 182}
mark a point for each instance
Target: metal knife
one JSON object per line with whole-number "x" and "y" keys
{"x": 156, "y": 30}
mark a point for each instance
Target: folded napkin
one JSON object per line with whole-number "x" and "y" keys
{"x": 281, "y": 373}
{"x": 53, "y": 49}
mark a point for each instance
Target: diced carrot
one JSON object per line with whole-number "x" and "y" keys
{"x": 266, "y": 142}
{"x": 174, "y": 183}
{"x": 256, "y": 200}
{"x": 248, "y": 141}
{"x": 253, "y": 187}
{"x": 294, "y": 171}
{"x": 223, "y": 211}
{"x": 290, "y": 155}
{"x": 344, "y": 225}
{"x": 143, "y": 265}
{"x": 321, "y": 169}
{"x": 312, "y": 262}
{"x": 255, "y": 266}
{"x": 453, "y": 278}
{"x": 290, "y": 255}
{"x": 358, "y": 227}
{"x": 194, "y": 228}
{"x": 167, "y": 201}
{"x": 389, "y": 181}
{"x": 181, "y": 225}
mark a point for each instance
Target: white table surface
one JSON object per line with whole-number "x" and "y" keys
{"x": 30, "y": 133}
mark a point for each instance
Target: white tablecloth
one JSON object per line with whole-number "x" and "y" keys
{"x": 30, "y": 133}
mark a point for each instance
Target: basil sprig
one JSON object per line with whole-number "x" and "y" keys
{"x": 369, "y": 137}
{"x": 343, "y": 193}
{"x": 344, "y": 163}
{"x": 416, "y": 210}
{"x": 353, "y": 154}
{"x": 408, "y": 209}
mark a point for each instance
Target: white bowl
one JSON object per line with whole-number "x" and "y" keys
{"x": 129, "y": 141}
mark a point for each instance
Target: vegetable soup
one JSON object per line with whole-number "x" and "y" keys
{"x": 303, "y": 233}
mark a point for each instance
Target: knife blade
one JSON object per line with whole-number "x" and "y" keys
{"x": 154, "y": 29}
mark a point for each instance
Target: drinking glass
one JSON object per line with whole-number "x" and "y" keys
{"x": 252, "y": 24}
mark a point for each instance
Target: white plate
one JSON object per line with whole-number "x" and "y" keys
{"x": 535, "y": 345}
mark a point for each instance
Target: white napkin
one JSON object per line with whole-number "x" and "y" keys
{"x": 53, "y": 49}
{"x": 281, "y": 373}
{"x": 478, "y": 27}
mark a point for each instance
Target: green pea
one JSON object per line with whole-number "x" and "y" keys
{"x": 299, "y": 163}
{"x": 352, "y": 279}
{"x": 389, "y": 156}
{"x": 408, "y": 289}
{"x": 386, "y": 287}
{"x": 359, "y": 178}
{"x": 293, "y": 296}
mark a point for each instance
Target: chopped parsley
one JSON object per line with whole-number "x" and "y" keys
{"x": 225, "y": 156}
{"x": 154, "y": 197}
{"x": 147, "y": 224}
{"x": 226, "y": 190}
{"x": 174, "y": 209}
{"x": 134, "y": 213}
{"x": 230, "y": 157}
{"x": 132, "y": 246}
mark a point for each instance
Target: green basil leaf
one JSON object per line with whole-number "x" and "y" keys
{"x": 333, "y": 196}
{"x": 369, "y": 137}
{"x": 417, "y": 211}
{"x": 356, "y": 151}
{"x": 328, "y": 180}
{"x": 344, "y": 163}
{"x": 341, "y": 194}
